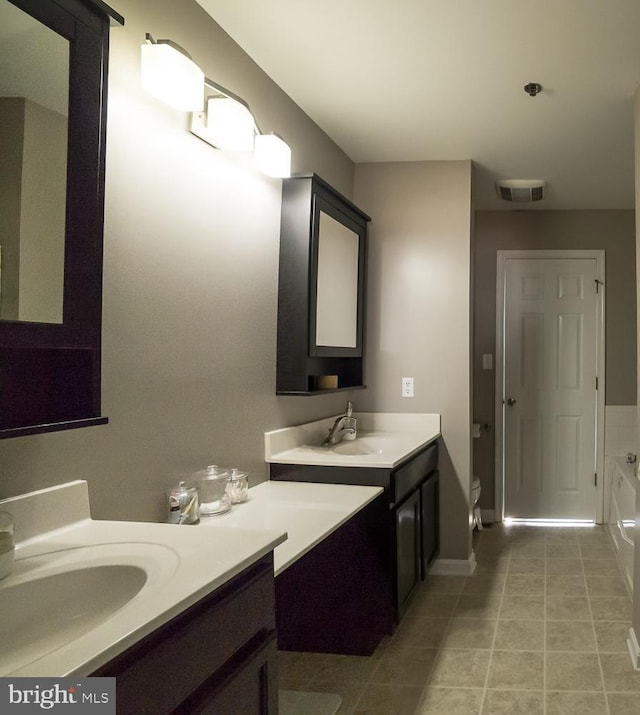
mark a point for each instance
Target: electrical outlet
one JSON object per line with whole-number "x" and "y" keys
{"x": 407, "y": 387}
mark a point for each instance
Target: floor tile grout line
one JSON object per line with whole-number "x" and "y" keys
{"x": 495, "y": 635}
{"x": 442, "y": 642}
{"x": 595, "y": 636}
{"x": 544, "y": 634}
{"x": 427, "y": 683}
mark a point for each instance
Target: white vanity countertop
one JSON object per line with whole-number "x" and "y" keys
{"x": 309, "y": 512}
{"x": 54, "y": 534}
{"x": 383, "y": 441}
{"x": 181, "y": 566}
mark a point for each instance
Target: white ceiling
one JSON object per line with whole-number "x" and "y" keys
{"x": 443, "y": 79}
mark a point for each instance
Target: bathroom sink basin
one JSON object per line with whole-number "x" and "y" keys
{"x": 52, "y": 599}
{"x": 368, "y": 449}
{"x": 369, "y": 444}
{"x": 56, "y": 609}
{"x": 355, "y": 447}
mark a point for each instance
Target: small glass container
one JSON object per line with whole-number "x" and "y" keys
{"x": 212, "y": 486}
{"x": 7, "y": 550}
{"x": 182, "y": 502}
{"x": 238, "y": 487}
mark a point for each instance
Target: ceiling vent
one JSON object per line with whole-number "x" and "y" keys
{"x": 521, "y": 191}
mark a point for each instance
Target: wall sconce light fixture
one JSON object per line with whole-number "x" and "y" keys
{"x": 226, "y": 122}
{"x": 272, "y": 155}
{"x": 169, "y": 74}
{"x": 230, "y": 124}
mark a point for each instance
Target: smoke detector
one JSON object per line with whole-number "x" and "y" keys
{"x": 522, "y": 191}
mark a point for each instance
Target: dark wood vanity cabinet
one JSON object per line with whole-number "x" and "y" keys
{"x": 218, "y": 657}
{"x": 336, "y": 598}
{"x": 321, "y": 289}
{"x": 410, "y": 524}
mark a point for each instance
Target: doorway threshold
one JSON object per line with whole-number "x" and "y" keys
{"x": 564, "y": 523}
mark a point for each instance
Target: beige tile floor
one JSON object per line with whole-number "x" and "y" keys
{"x": 539, "y": 629}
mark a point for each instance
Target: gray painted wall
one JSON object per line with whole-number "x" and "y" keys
{"x": 419, "y": 325}
{"x": 612, "y": 231}
{"x": 190, "y": 285}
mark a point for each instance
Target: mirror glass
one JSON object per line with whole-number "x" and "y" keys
{"x": 337, "y": 288}
{"x": 34, "y": 99}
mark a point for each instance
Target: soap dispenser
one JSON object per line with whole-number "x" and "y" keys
{"x": 6, "y": 544}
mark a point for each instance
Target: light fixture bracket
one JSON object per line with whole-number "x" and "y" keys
{"x": 198, "y": 125}
{"x": 151, "y": 41}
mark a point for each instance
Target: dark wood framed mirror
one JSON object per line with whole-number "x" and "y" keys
{"x": 54, "y": 90}
{"x": 321, "y": 289}
{"x": 336, "y": 280}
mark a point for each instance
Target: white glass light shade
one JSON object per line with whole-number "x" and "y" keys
{"x": 172, "y": 77}
{"x": 230, "y": 125}
{"x": 273, "y": 156}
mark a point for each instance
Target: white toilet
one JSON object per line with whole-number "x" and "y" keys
{"x": 475, "y": 496}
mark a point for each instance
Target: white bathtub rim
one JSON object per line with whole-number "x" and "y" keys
{"x": 627, "y": 470}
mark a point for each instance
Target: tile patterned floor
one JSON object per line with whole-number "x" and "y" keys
{"x": 539, "y": 629}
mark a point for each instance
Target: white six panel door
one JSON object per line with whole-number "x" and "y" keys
{"x": 550, "y": 388}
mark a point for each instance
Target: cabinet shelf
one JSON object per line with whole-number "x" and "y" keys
{"x": 52, "y": 427}
{"x": 321, "y": 392}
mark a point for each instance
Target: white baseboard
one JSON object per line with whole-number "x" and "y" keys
{"x": 454, "y": 567}
{"x": 488, "y": 516}
{"x": 634, "y": 649}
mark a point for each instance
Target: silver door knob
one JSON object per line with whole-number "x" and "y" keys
{"x": 511, "y": 401}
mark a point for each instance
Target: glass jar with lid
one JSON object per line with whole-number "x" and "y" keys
{"x": 238, "y": 487}
{"x": 212, "y": 487}
{"x": 182, "y": 504}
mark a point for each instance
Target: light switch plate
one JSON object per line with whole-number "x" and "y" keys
{"x": 487, "y": 361}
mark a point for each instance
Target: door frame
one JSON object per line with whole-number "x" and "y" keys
{"x": 502, "y": 257}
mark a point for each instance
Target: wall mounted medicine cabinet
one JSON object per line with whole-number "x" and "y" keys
{"x": 321, "y": 289}
{"x": 53, "y": 84}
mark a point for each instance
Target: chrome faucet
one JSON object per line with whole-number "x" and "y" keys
{"x": 345, "y": 427}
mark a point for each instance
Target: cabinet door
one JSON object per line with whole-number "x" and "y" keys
{"x": 430, "y": 525}
{"x": 407, "y": 549}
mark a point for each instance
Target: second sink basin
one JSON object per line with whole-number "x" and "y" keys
{"x": 369, "y": 449}
{"x": 377, "y": 444}
{"x": 355, "y": 447}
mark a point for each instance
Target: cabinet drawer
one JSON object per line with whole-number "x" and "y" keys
{"x": 250, "y": 689}
{"x": 158, "y": 673}
{"x": 409, "y": 477}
